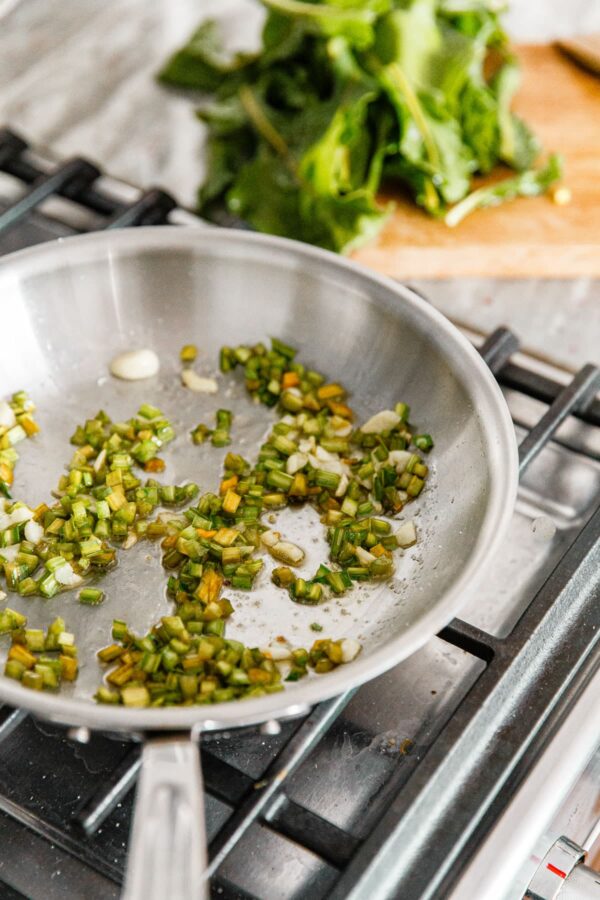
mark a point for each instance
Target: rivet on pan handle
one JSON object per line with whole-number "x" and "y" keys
{"x": 167, "y": 850}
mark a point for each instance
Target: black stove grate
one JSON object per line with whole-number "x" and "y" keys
{"x": 69, "y": 804}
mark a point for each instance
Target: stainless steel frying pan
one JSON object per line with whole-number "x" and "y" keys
{"x": 67, "y": 307}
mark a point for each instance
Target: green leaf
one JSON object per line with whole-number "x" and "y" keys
{"x": 432, "y": 158}
{"x": 433, "y": 56}
{"x": 282, "y": 38}
{"x": 518, "y": 146}
{"x": 409, "y": 37}
{"x": 351, "y": 20}
{"x": 343, "y": 223}
{"x": 479, "y": 122}
{"x": 471, "y": 16}
{"x": 202, "y": 63}
{"x": 338, "y": 161}
{"x": 531, "y": 183}
{"x": 335, "y": 222}
{"x": 225, "y": 158}
{"x": 265, "y": 194}
{"x": 344, "y": 93}
{"x": 456, "y": 161}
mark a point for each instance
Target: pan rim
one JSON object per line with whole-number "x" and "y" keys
{"x": 498, "y": 432}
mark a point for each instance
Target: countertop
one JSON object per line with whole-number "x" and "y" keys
{"x": 77, "y": 76}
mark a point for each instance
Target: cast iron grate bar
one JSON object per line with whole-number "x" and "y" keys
{"x": 9, "y": 720}
{"x": 471, "y": 639}
{"x": 9, "y": 893}
{"x": 267, "y": 790}
{"x": 498, "y": 347}
{"x": 224, "y": 781}
{"x": 109, "y": 793}
{"x": 152, "y": 208}
{"x": 222, "y": 889}
{"x": 13, "y": 161}
{"x": 534, "y": 667}
{"x": 331, "y": 843}
{"x": 577, "y": 395}
{"x": 63, "y": 838}
{"x": 539, "y": 387}
{"x": 11, "y": 147}
{"x": 68, "y": 179}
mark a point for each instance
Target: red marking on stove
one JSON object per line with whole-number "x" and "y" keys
{"x": 556, "y": 871}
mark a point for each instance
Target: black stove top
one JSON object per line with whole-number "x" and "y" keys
{"x": 362, "y": 770}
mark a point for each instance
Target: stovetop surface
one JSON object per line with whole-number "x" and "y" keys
{"x": 53, "y": 788}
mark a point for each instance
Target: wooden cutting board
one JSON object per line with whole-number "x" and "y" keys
{"x": 527, "y": 237}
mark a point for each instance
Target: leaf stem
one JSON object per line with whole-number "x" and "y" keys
{"x": 261, "y": 122}
{"x": 414, "y": 107}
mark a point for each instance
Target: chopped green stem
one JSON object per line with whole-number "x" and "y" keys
{"x": 91, "y": 596}
{"x": 101, "y": 502}
{"x": 531, "y": 183}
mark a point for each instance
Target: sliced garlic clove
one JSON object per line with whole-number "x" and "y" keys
{"x": 135, "y": 365}
{"x": 350, "y": 648}
{"x": 199, "y": 383}
{"x": 406, "y": 535}
{"x": 287, "y": 552}
{"x": 380, "y": 422}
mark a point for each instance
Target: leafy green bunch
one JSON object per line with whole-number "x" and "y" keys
{"x": 346, "y": 93}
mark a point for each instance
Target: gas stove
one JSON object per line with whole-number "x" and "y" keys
{"x": 416, "y": 784}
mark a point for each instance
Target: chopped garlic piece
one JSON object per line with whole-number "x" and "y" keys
{"x": 65, "y": 575}
{"x": 324, "y": 455}
{"x": 364, "y": 557}
{"x": 99, "y": 461}
{"x": 7, "y": 416}
{"x": 277, "y": 652}
{"x": 16, "y": 517}
{"x": 295, "y": 462}
{"x": 34, "y": 532}
{"x": 9, "y": 553}
{"x": 342, "y": 486}
{"x": 134, "y": 365}
{"x": 380, "y": 422}
{"x": 350, "y": 648}
{"x": 287, "y": 552}
{"x": 399, "y": 459}
{"x": 21, "y": 514}
{"x": 342, "y": 428}
{"x": 270, "y": 538}
{"x": 406, "y": 535}
{"x": 307, "y": 445}
{"x": 199, "y": 383}
{"x": 334, "y": 464}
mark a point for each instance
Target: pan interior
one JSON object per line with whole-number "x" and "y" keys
{"x": 69, "y": 311}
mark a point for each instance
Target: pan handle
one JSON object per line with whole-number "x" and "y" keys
{"x": 167, "y": 850}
